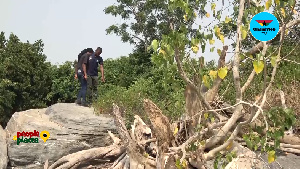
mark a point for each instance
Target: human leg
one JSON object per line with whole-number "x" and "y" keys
{"x": 79, "y": 95}
{"x": 82, "y": 92}
{"x": 89, "y": 88}
{"x": 95, "y": 86}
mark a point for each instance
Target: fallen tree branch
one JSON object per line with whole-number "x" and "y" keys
{"x": 87, "y": 155}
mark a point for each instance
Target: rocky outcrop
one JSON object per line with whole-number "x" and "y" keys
{"x": 72, "y": 128}
{"x": 3, "y": 149}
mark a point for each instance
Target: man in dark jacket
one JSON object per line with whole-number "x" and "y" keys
{"x": 81, "y": 74}
{"x": 92, "y": 82}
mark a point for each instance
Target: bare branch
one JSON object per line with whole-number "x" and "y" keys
{"x": 264, "y": 96}
{"x": 291, "y": 61}
{"x": 217, "y": 82}
{"x": 238, "y": 110}
{"x": 189, "y": 82}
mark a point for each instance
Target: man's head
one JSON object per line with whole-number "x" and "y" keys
{"x": 98, "y": 51}
{"x": 89, "y": 51}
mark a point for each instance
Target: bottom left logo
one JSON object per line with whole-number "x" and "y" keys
{"x": 31, "y": 137}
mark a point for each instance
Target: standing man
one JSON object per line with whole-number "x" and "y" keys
{"x": 81, "y": 70}
{"x": 94, "y": 61}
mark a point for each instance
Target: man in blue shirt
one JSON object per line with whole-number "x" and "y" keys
{"x": 92, "y": 81}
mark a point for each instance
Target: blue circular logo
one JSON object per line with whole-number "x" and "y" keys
{"x": 264, "y": 26}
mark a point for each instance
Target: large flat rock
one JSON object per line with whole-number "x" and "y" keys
{"x": 72, "y": 128}
{"x": 3, "y": 149}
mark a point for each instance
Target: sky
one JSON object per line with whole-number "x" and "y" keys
{"x": 68, "y": 26}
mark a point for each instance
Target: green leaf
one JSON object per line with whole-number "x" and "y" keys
{"x": 219, "y": 52}
{"x": 222, "y": 72}
{"x": 273, "y": 60}
{"x": 203, "y": 48}
{"x": 212, "y": 49}
{"x": 258, "y": 66}
{"x": 271, "y": 156}
{"x": 154, "y": 44}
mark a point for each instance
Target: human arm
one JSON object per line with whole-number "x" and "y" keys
{"x": 102, "y": 73}
{"x": 101, "y": 69}
{"x": 84, "y": 63}
{"x": 76, "y": 70}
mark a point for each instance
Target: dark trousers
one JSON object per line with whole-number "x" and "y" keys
{"x": 92, "y": 84}
{"x": 82, "y": 91}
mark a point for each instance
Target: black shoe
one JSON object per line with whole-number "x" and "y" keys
{"x": 78, "y": 102}
{"x": 85, "y": 105}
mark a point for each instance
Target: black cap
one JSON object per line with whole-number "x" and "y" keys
{"x": 90, "y": 50}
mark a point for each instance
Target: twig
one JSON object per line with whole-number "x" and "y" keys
{"x": 291, "y": 61}
{"x": 249, "y": 80}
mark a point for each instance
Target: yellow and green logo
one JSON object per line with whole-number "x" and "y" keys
{"x": 31, "y": 137}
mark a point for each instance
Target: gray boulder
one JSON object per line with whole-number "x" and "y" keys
{"x": 72, "y": 128}
{"x": 3, "y": 149}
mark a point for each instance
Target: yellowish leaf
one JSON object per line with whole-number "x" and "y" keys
{"x": 283, "y": 12}
{"x": 146, "y": 155}
{"x": 185, "y": 17}
{"x": 211, "y": 41}
{"x": 244, "y": 32}
{"x": 277, "y": 2}
{"x": 202, "y": 142}
{"x": 217, "y": 31}
{"x": 271, "y": 156}
{"x": 286, "y": 32}
{"x": 207, "y": 15}
{"x": 162, "y": 51}
{"x": 268, "y": 4}
{"x": 222, "y": 38}
{"x": 258, "y": 66}
{"x": 195, "y": 14}
{"x": 219, "y": 52}
{"x": 184, "y": 163}
{"x": 205, "y": 81}
{"x": 175, "y": 131}
{"x": 295, "y": 12}
{"x": 229, "y": 146}
{"x": 222, "y": 72}
{"x": 205, "y": 116}
{"x": 213, "y": 74}
{"x": 212, "y": 119}
{"x": 227, "y": 19}
{"x": 195, "y": 49}
{"x": 213, "y": 6}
